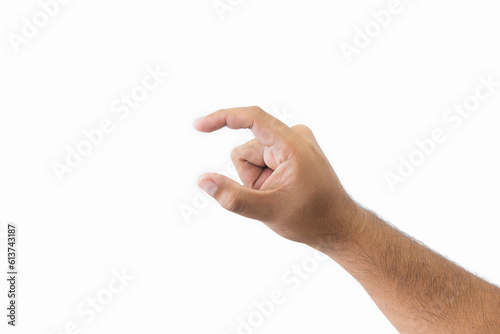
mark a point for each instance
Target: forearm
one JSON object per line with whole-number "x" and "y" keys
{"x": 418, "y": 290}
{"x": 290, "y": 185}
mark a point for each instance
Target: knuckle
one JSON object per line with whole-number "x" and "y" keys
{"x": 303, "y": 129}
{"x": 256, "y": 109}
{"x": 235, "y": 153}
{"x": 310, "y": 146}
{"x": 259, "y": 113}
{"x": 306, "y": 132}
{"x": 232, "y": 203}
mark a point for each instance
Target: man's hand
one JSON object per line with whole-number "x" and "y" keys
{"x": 290, "y": 186}
{"x": 288, "y": 182}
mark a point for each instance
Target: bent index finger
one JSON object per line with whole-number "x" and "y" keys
{"x": 267, "y": 129}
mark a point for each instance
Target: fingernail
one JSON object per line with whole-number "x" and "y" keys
{"x": 198, "y": 120}
{"x": 209, "y": 186}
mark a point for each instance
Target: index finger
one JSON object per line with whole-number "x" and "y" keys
{"x": 267, "y": 129}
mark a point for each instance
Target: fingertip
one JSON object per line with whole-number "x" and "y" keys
{"x": 198, "y": 122}
{"x": 206, "y": 183}
{"x": 209, "y": 186}
{"x": 202, "y": 177}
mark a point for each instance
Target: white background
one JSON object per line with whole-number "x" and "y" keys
{"x": 121, "y": 208}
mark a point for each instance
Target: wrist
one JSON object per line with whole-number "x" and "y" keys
{"x": 343, "y": 228}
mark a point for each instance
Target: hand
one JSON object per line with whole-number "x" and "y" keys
{"x": 288, "y": 182}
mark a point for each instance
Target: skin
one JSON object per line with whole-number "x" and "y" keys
{"x": 290, "y": 186}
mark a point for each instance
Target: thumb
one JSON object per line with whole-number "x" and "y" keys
{"x": 236, "y": 198}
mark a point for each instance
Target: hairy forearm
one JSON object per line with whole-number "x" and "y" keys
{"x": 290, "y": 185}
{"x": 418, "y": 290}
